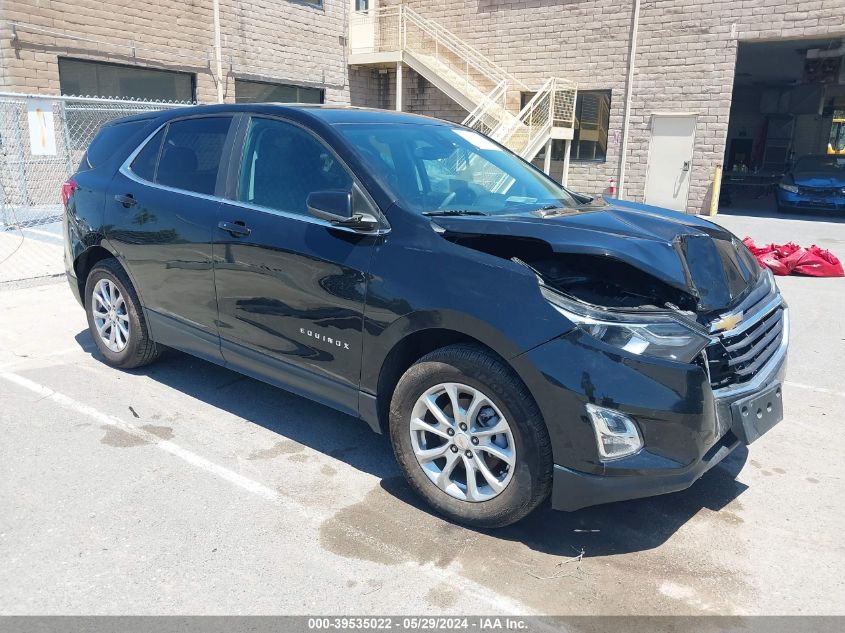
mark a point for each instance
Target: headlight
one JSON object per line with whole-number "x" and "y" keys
{"x": 789, "y": 188}
{"x": 659, "y": 335}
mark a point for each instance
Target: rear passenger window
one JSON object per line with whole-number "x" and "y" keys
{"x": 110, "y": 139}
{"x": 283, "y": 163}
{"x": 188, "y": 156}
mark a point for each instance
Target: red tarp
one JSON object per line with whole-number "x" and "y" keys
{"x": 786, "y": 259}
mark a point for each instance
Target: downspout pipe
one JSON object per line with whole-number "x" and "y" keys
{"x": 629, "y": 89}
{"x": 218, "y": 53}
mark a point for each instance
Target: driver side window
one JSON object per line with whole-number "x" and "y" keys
{"x": 283, "y": 163}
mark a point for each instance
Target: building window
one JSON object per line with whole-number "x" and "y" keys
{"x": 362, "y": 5}
{"x": 263, "y": 92}
{"x": 102, "y": 79}
{"x": 592, "y": 121}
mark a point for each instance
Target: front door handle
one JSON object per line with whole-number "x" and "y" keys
{"x": 127, "y": 200}
{"x": 236, "y": 229}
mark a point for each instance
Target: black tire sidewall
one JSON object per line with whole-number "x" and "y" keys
{"x": 137, "y": 331}
{"x": 527, "y": 486}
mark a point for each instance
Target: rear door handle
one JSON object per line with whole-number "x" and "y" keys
{"x": 237, "y": 229}
{"x": 127, "y": 200}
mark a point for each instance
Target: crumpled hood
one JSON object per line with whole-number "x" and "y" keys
{"x": 818, "y": 179}
{"x": 683, "y": 251}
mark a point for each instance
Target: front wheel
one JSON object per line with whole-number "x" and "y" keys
{"x": 469, "y": 437}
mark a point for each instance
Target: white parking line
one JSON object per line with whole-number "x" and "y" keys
{"x": 168, "y": 447}
{"x": 799, "y": 385}
{"x": 452, "y": 576}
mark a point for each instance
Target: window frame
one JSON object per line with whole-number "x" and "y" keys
{"x": 222, "y": 170}
{"x": 558, "y": 145}
{"x": 602, "y": 91}
{"x": 96, "y": 62}
{"x": 236, "y": 162}
{"x": 263, "y": 82}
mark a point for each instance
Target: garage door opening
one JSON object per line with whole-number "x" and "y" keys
{"x": 788, "y": 107}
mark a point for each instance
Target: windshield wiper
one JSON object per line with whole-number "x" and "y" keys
{"x": 444, "y": 212}
{"x": 550, "y": 209}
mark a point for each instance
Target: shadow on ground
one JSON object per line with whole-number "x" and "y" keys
{"x": 602, "y": 530}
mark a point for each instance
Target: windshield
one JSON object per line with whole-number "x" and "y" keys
{"x": 835, "y": 164}
{"x": 436, "y": 169}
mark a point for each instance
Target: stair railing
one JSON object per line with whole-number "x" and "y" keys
{"x": 427, "y": 37}
{"x": 490, "y": 111}
{"x": 400, "y": 28}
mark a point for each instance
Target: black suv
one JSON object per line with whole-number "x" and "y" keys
{"x": 515, "y": 340}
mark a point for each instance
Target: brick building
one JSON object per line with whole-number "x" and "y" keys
{"x": 747, "y": 83}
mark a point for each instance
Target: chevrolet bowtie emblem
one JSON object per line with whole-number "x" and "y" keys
{"x": 726, "y": 322}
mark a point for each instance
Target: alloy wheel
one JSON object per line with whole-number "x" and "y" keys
{"x": 111, "y": 318}
{"x": 462, "y": 442}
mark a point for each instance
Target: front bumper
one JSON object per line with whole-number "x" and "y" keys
{"x": 788, "y": 200}
{"x": 687, "y": 427}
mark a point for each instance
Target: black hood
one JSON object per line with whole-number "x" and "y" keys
{"x": 687, "y": 253}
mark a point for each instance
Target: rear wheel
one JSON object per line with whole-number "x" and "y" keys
{"x": 469, "y": 437}
{"x": 115, "y": 318}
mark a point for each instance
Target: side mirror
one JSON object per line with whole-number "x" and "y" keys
{"x": 336, "y": 207}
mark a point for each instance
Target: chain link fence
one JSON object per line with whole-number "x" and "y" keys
{"x": 42, "y": 140}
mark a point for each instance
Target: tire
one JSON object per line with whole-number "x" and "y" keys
{"x": 138, "y": 348}
{"x": 527, "y": 482}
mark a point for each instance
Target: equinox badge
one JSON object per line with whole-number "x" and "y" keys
{"x": 324, "y": 338}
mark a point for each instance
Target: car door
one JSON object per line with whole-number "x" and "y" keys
{"x": 290, "y": 286}
{"x": 161, "y": 215}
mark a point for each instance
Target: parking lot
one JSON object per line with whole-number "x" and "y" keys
{"x": 186, "y": 488}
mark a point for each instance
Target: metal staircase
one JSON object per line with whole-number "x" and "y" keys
{"x": 399, "y": 35}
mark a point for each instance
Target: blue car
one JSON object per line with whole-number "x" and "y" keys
{"x": 816, "y": 183}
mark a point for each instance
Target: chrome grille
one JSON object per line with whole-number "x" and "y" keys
{"x": 737, "y": 355}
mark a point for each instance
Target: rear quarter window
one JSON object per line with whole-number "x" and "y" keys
{"x": 109, "y": 140}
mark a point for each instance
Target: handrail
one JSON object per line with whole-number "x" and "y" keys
{"x": 483, "y": 84}
{"x": 458, "y": 43}
{"x": 525, "y": 117}
{"x": 495, "y": 98}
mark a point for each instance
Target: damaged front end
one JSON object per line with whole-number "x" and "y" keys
{"x": 650, "y": 283}
{"x": 647, "y": 281}
{"x": 677, "y": 349}
{"x": 620, "y": 258}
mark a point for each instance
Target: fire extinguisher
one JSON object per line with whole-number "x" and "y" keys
{"x": 611, "y": 190}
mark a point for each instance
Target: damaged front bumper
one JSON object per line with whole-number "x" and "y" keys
{"x": 687, "y": 426}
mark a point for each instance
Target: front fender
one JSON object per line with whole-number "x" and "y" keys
{"x": 424, "y": 320}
